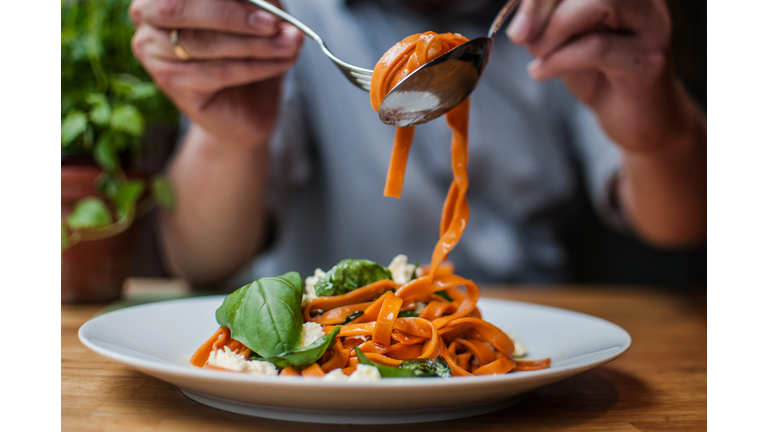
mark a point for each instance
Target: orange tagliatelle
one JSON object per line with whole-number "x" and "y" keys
{"x": 452, "y": 328}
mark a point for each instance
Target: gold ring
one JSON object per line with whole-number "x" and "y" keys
{"x": 177, "y": 48}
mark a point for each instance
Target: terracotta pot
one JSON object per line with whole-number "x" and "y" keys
{"x": 93, "y": 271}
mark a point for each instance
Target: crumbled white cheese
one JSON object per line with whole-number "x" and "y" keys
{"x": 365, "y": 373}
{"x": 520, "y": 349}
{"x": 227, "y": 359}
{"x": 335, "y": 375}
{"x": 311, "y": 333}
{"x": 420, "y": 307}
{"x": 309, "y": 287}
{"x": 401, "y": 270}
{"x": 362, "y": 373}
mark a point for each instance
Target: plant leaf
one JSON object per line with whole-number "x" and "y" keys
{"x": 105, "y": 154}
{"x": 100, "y": 112}
{"x": 64, "y": 236}
{"x": 128, "y": 119}
{"x": 225, "y": 314}
{"x": 307, "y": 355}
{"x": 107, "y": 184}
{"x": 142, "y": 90}
{"x": 424, "y": 367}
{"x": 89, "y": 213}
{"x": 349, "y": 275}
{"x": 269, "y": 320}
{"x": 163, "y": 192}
{"x": 72, "y": 126}
{"x": 127, "y": 195}
{"x": 413, "y": 368}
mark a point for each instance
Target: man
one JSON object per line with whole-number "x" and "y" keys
{"x": 278, "y": 137}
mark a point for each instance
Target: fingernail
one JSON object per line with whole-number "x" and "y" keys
{"x": 518, "y": 30}
{"x": 287, "y": 37}
{"x": 262, "y": 21}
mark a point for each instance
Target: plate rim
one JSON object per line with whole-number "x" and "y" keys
{"x": 288, "y": 381}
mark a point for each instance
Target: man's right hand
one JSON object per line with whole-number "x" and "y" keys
{"x": 230, "y": 85}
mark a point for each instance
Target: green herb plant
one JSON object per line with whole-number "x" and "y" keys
{"x": 412, "y": 368}
{"x": 107, "y": 99}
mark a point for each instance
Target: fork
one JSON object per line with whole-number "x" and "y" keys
{"x": 358, "y": 76}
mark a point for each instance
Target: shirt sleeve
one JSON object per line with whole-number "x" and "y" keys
{"x": 600, "y": 159}
{"x": 290, "y": 161}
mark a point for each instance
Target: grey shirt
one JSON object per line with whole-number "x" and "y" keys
{"x": 530, "y": 145}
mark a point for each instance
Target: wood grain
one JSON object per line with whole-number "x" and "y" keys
{"x": 659, "y": 384}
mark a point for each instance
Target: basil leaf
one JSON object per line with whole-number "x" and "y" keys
{"x": 307, "y": 355}
{"x": 349, "y": 275}
{"x": 268, "y": 319}
{"x": 415, "y": 267}
{"x": 424, "y": 367}
{"x": 413, "y": 368}
{"x": 444, "y": 294}
{"x": 225, "y": 314}
{"x": 352, "y": 316}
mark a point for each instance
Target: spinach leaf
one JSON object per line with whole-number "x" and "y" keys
{"x": 349, "y": 275}
{"x": 352, "y": 316}
{"x": 423, "y": 367}
{"x": 408, "y": 314}
{"x": 266, "y": 315}
{"x": 415, "y": 267}
{"x": 414, "y": 368}
{"x": 444, "y": 294}
{"x": 307, "y": 355}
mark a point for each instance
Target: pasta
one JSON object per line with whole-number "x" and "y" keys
{"x": 429, "y": 317}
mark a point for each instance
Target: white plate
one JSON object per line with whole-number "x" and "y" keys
{"x": 158, "y": 339}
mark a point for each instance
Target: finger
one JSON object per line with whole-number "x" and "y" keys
{"x": 572, "y": 18}
{"x": 530, "y": 19}
{"x": 206, "y": 76}
{"x": 223, "y": 15}
{"x": 210, "y": 44}
{"x": 614, "y": 55}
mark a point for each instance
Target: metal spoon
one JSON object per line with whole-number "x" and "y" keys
{"x": 436, "y": 87}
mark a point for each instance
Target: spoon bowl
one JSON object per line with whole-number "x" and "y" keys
{"x": 438, "y": 86}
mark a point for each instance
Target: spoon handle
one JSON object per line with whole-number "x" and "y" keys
{"x": 504, "y": 13}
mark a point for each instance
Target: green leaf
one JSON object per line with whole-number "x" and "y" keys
{"x": 408, "y": 314}
{"x": 268, "y": 319}
{"x": 127, "y": 195}
{"x": 105, "y": 155}
{"x": 349, "y": 275}
{"x": 89, "y": 213}
{"x": 414, "y": 368}
{"x": 415, "y": 267}
{"x": 72, "y": 126}
{"x": 352, "y": 316}
{"x": 142, "y": 90}
{"x": 307, "y": 355}
{"x": 107, "y": 184}
{"x": 101, "y": 111}
{"x": 424, "y": 367}
{"x": 444, "y": 294}
{"x": 128, "y": 119}
{"x": 64, "y": 236}
{"x": 225, "y": 314}
{"x": 163, "y": 192}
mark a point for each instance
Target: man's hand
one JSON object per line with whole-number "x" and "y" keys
{"x": 614, "y": 55}
{"x": 230, "y": 85}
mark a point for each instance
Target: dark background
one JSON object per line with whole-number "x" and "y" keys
{"x": 599, "y": 254}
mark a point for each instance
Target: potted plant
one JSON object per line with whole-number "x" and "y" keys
{"x": 107, "y": 103}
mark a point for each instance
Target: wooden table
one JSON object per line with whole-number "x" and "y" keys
{"x": 659, "y": 384}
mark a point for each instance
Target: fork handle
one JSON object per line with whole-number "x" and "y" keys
{"x": 274, "y": 10}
